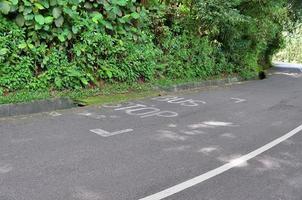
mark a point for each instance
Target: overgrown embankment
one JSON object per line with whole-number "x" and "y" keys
{"x": 72, "y": 44}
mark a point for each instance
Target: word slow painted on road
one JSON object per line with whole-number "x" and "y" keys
{"x": 179, "y": 100}
{"x": 142, "y": 110}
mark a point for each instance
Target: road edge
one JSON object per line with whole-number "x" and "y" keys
{"x": 48, "y": 105}
{"x": 37, "y": 106}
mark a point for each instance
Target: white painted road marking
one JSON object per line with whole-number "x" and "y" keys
{"x": 217, "y": 123}
{"x": 104, "y": 133}
{"x": 211, "y": 124}
{"x": 85, "y": 114}
{"x": 210, "y": 174}
{"x": 179, "y": 100}
{"x": 237, "y": 100}
{"x": 148, "y": 111}
{"x": 55, "y": 114}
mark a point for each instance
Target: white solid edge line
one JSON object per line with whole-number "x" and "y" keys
{"x": 210, "y": 174}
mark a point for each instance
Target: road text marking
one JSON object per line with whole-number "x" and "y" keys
{"x": 142, "y": 110}
{"x": 55, "y": 114}
{"x": 179, "y": 100}
{"x": 210, "y": 174}
{"x": 237, "y": 100}
{"x": 104, "y": 133}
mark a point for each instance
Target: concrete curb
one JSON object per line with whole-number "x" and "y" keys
{"x": 200, "y": 84}
{"x": 7, "y": 110}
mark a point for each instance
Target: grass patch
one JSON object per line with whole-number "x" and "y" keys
{"x": 116, "y": 98}
{"x": 109, "y": 93}
{"x": 24, "y": 96}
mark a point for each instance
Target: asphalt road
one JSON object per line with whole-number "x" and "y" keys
{"x": 139, "y": 149}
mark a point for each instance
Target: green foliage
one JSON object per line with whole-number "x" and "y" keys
{"x": 60, "y": 73}
{"x": 190, "y": 57}
{"x": 16, "y": 66}
{"x": 48, "y": 21}
{"x": 295, "y": 11}
{"x": 248, "y": 32}
{"x": 293, "y": 50}
{"x": 114, "y": 59}
{"x": 72, "y": 44}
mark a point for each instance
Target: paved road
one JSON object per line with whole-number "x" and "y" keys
{"x": 137, "y": 149}
{"x": 281, "y": 66}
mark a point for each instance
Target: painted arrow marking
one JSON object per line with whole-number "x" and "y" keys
{"x": 104, "y": 133}
{"x": 237, "y": 100}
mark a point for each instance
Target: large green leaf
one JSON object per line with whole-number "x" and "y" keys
{"x": 121, "y": 2}
{"x": 97, "y": 17}
{"x": 61, "y": 37}
{"x": 56, "y": 12}
{"x": 107, "y": 24}
{"x": 75, "y": 29}
{"x": 53, "y": 2}
{"x": 3, "y": 51}
{"x": 135, "y": 15}
{"x": 14, "y": 2}
{"x": 29, "y": 17}
{"x": 48, "y": 20}
{"x": 22, "y": 45}
{"x": 40, "y": 19}
{"x": 116, "y": 10}
{"x": 59, "y": 22}
{"x": 39, "y": 6}
{"x": 88, "y": 5}
{"x": 45, "y": 3}
{"x": 27, "y": 10}
{"x": 5, "y": 7}
{"x": 20, "y": 20}
{"x": 58, "y": 82}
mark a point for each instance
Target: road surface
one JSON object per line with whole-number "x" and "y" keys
{"x": 239, "y": 142}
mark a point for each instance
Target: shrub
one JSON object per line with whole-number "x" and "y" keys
{"x": 188, "y": 57}
{"x": 16, "y": 64}
{"x": 82, "y": 43}
{"x": 57, "y": 20}
{"x": 293, "y": 49}
{"x": 116, "y": 59}
{"x": 249, "y": 32}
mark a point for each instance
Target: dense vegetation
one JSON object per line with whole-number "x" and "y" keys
{"x": 293, "y": 36}
{"x": 70, "y": 44}
{"x": 293, "y": 50}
